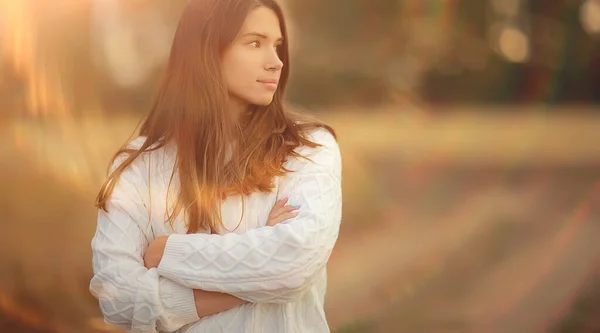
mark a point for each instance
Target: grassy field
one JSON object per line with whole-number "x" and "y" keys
{"x": 465, "y": 222}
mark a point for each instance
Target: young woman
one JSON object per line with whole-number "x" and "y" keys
{"x": 196, "y": 228}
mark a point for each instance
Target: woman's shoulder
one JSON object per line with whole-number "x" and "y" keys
{"x": 322, "y": 136}
{"x": 326, "y": 154}
{"x": 149, "y": 156}
{"x": 137, "y": 142}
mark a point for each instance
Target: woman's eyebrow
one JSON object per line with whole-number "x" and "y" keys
{"x": 261, "y": 35}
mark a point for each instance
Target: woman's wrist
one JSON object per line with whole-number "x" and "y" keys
{"x": 208, "y": 302}
{"x": 155, "y": 251}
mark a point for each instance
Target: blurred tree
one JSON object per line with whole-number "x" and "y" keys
{"x": 86, "y": 56}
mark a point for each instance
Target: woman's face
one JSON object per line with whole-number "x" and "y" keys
{"x": 250, "y": 65}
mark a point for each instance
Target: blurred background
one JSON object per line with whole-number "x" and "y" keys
{"x": 468, "y": 128}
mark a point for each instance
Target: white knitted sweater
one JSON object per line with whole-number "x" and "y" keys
{"x": 280, "y": 270}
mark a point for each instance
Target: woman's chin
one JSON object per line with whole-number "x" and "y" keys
{"x": 263, "y": 100}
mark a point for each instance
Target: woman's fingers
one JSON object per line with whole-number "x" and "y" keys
{"x": 287, "y": 216}
{"x": 283, "y": 210}
{"x": 280, "y": 203}
{"x": 277, "y": 208}
{"x": 283, "y": 217}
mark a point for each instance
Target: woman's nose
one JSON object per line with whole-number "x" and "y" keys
{"x": 273, "y": 62}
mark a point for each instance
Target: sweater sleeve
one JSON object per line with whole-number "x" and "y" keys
{"x": 131, "y": 296}
{"x": 269, "y": 264}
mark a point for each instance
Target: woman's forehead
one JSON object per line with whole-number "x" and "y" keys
{"x": 262, "y": 22}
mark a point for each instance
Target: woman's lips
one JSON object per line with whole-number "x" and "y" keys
{"x": 270, "y": 84}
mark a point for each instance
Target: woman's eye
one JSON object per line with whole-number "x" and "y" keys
{"x": 255, "y": 43}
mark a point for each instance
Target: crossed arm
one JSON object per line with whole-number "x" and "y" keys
{"x": 208, "y": 303}
{"x": 200, "y": 273}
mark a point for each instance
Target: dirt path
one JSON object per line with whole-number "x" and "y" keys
{"x": 503, "y": 277}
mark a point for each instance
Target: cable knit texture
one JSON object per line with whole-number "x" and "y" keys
{"x": 280, "y": 270}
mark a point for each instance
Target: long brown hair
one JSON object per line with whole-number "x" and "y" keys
{"x": 189, "y": 111}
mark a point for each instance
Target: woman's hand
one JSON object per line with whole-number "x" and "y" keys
{"x": 155, "y": 251}
{"x": 281, "y": 212}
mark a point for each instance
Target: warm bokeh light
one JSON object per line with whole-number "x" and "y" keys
{"x": 590, "y": 16}
{"x": 129, "y": 47}
{"x": 514, "y": 44}
{"x": 44, "y": 90}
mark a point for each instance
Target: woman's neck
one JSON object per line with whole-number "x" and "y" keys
{"x": 238, "y": 109}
